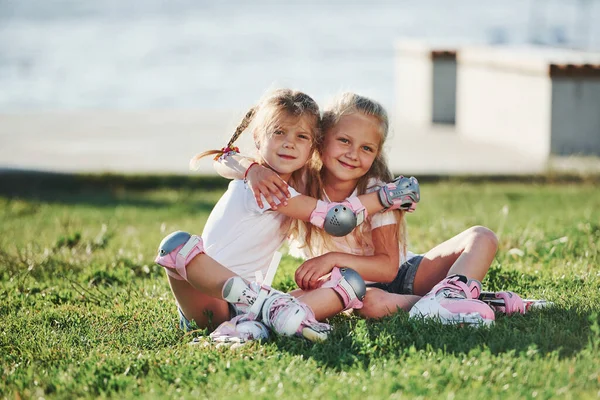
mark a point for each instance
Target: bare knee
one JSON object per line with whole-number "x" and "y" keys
{"x": 372, "y": 303}
{"x": 479, "y": 234}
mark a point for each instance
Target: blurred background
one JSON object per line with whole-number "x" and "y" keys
{"x": 84, "y": 85}
{"x": 190, "y": 54}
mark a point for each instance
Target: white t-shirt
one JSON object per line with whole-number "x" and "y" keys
{"x": 240, "y": 235}
{"x": 348, "y": 244}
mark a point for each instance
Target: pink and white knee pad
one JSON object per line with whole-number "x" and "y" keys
{"x": 349, "y": 285}
{"x": 176, "y": 251}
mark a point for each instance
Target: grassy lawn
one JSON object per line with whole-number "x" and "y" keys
{"x": 85, "y": 313}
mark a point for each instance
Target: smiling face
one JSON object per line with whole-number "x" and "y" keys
{"x": 287, "y": 146}
{"x": 350, "y": 147}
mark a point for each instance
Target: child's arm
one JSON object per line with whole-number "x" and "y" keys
{"x": 380, "y": 267}
{"x": 232, "y": 166}
{"x": 402, "y": 193}
{"x": 337, "y": 219}
{"x": 306, "y": 208}
{"x": 263, "y": 181}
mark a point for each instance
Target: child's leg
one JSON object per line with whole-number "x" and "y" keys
{"x": 206, "y": 311}
{"x": 207, "y": 275}
{"x": 200, "y": 296}
{"x": 344, "y": 290}
{"x": 325, "y": 303}
{"x": 378, "y": 303}
{"x": 196, "y": 279}
{"x": 470, "y": 253}
{"x": 201, "y": 285}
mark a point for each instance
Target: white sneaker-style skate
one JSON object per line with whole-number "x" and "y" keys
{"x": 288, "y": 316}
{"x": 279, "y": 311}
{"x": 240, "y": 294}
{"x": 454, "y": 300}
{"x": 239, "y": 331}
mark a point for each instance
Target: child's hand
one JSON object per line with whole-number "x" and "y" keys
{"x": 267, "y": 183}
{"x": 308, "y": 275}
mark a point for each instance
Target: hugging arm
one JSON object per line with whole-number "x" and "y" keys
{"x": 263, "y": 181}
{"x": 338, "y": 219}
{"x": 402, "y": 193}
{"x": 232, "y": 166}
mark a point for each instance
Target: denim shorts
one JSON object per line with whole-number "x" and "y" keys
{"x": 185, "y": 324}
{"x": 404, "y": 280}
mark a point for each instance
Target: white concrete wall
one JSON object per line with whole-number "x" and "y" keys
{"x": 540, "y": 100}
{"x": 413, "y": 88}
{"x": 503, "y": 107}
{"x": 444, "y": 91}
{"x": 575, "y": 124}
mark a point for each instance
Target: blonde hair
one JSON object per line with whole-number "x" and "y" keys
{"x": 264, "y": 117}
{"x": 342, "y": 105}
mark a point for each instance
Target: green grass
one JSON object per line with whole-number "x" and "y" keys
{"x": 85, "y": 313}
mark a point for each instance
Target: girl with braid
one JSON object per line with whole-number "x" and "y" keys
{"x": 212, "y": 276}
{"x": 352, "y": 163}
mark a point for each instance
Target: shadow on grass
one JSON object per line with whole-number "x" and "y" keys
{"x": 358, "y": 342}
{"x": 18, "y": 181}
{"x": 107, "y": 190}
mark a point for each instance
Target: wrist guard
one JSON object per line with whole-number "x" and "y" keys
{"x": 403, "y": 193}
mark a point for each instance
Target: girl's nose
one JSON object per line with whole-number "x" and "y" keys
{"x": 351, "y": 153}
{"x": 288, "y": 143}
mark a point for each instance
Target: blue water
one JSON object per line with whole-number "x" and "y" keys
{"x": 151, "y": 54}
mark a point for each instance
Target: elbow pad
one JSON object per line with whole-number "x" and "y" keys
{"x": 338, "y": 219}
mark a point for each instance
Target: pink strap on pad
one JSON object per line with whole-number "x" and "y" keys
{"x": 359, "y": 209}
{"x": 343, "y": 288}
{"x": 317, "y": 217}
{"x": 179, "y": 258}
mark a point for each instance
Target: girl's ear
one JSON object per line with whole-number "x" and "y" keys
{"x": 256, "y": 139}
